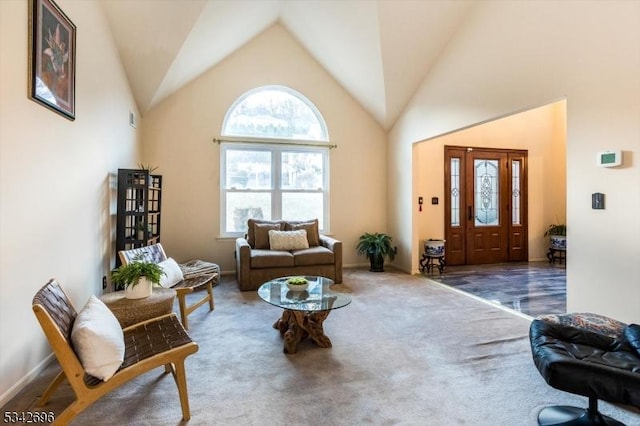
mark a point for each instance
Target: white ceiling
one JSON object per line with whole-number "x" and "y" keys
{"x": 378, "y": 50}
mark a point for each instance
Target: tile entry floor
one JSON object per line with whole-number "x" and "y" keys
{"x": 532, "y": 288}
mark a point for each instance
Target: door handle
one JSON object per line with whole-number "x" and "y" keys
{"x": 469, "y": 212}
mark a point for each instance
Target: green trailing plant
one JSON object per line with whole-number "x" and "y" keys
{"x": 556, "y": 229}
{"x": 376, "y": 246}
{"x": 129, "y": 274}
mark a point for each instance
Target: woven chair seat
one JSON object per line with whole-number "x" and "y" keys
{"x": 196, "y": 283}
{"x": 148, "y": 339}
{"x": 152, "y": 338}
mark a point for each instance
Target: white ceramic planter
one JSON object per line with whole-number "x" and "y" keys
{"x": 139, "y": 291}
{"x": 558, "y": 242}
{"x": 434, "y": 247}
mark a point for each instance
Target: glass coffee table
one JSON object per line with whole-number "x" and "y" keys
{"x": 304, "y": 311}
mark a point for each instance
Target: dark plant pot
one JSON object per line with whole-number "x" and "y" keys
{"x": 377, "y": 263}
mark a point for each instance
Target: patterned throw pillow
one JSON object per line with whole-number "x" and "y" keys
{"x": 588, "y": 321}
{"x": 288, "y": 240}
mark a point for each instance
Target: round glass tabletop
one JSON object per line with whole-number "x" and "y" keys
{"x": 317, "y": 297}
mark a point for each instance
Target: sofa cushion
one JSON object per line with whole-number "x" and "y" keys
{"x": 271, "y": 259}
{"x": 311, "y": 226}
{"x": 317, "y": 255}
{"x": 288, "y": 240}
{"x": 261, "y": 231}
{"x": 251, "y": 234}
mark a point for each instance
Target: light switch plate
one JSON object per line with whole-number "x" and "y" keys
{"x": 597, "y": 201}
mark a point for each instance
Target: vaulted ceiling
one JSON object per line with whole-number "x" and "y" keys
{"x": 378, "y": 50}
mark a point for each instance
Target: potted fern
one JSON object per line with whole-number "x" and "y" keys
{"x": 138, "y": 278}
{"x": 376, "y": 246}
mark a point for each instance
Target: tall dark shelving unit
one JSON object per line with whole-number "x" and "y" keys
{"x": 138, "y": 211}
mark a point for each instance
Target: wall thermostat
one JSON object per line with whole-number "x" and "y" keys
{"x": 609, "y": 158}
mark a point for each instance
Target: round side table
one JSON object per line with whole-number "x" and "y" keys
{"x": 131, "y": 311}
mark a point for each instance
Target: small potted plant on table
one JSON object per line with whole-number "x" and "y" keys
{"x": 137, "y": 277}
{"x": 376, "y": 246}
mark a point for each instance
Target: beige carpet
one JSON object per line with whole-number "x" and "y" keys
{"x": 406, "y": 351}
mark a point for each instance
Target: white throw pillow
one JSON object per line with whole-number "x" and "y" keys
{"x": 288, "y": 240}
{"x": 172, "y": 273}
{"x": 98, "y": 339}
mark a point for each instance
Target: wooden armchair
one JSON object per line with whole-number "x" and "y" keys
{"x": 161, "y": 341}
{"x": 198, "y": 275}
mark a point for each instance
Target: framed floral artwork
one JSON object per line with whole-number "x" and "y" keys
{"x": 52, "y": 58}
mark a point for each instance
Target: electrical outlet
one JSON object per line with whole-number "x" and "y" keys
{"x": 104, "y": 282}
{"x": 395, "y": 249}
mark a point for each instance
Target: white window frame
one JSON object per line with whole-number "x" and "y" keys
{"x": 276, "y": 147}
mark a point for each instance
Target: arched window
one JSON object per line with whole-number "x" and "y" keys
{"x": 274, "y": 160}
{"x": 274, "y": 112}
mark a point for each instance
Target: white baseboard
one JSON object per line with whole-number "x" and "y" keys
{"x": 28, "y": 378}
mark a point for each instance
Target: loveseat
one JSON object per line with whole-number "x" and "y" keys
{"x": 273, "y": 249}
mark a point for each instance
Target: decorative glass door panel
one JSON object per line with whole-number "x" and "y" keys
{"x": 487, "y": 195}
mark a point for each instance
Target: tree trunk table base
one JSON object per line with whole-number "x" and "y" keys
{"x": 303, "y": 312}
{"x": 295, "y": 326}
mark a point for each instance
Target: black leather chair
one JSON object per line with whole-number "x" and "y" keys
{"x": 588, "y": 363}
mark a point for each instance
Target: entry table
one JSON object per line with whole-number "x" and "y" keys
{"x": 304, "y": 311}
{"x": 132, "y": 311}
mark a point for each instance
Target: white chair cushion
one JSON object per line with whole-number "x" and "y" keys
{"x": 288, "y": 240}
{"x": 98, "y": 339}
{"x": 172, "y": 273}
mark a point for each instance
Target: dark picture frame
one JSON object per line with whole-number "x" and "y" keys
{"x": 52, "y": 58}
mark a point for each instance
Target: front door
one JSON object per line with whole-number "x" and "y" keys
{"x": 486, "y": 205}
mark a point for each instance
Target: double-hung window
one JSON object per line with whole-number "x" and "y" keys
{"x": 274, "y": 160}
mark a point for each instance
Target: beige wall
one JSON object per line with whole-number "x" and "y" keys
{"x": 55, "y": 211}
{"x": 540, "y": 132}
{"x": 178, "y": 137}
{"x": 511, "y": 56}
